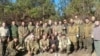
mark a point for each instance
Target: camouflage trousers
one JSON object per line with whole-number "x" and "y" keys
{"x": 10, "y": 52}
{"x": 21, "y": 41}
{"x": 67, "y": 48}
{"x": 3, "y": 46}
{"x": 73, "y": 40}
{"x": 80, "y": 42}
{"x": 88, "y": 44}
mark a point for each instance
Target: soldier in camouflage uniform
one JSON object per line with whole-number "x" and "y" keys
{"x": 44, "y": 43}
{"x": 80, "y": 26}
{"x": 65, "y": 24}
{"x": 32, "y": 46}
{"x": 60, "y": 27}
{"x": 12, "y": 48}
{"x": 55, "y": 27}
{"x": 87, "y": 35}
{"x": 22, "y": 32}
{"x": 40, "y": 23}
{"x": 59, "y": 36}
{"x": 50, "y": 27}
{"x": 72, "y": 33}
{"x": 45, "y": 28}
{"x": 14, "y": 30}
{"x": 81, "y": 35}
{"x": 77, "y": 20}
{"x": 64, "y": 43}
{"x": 40, "y": 26}
{"x": 37, "y": 30}
{"x": 30, "y": 27}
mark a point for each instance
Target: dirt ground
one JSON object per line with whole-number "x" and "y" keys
{"x": 78, "y": 53}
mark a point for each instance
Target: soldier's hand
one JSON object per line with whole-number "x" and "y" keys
{"x": 29, "y": 52}
{"x": 17, "y": 47}
{"x": 46, "y": 47}
{"x": 53, "y": 45}
{"x": 43, "y": 48}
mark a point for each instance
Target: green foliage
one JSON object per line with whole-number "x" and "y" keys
{"x": 97, "y": 8}
{"x": 25, "y": 9}
{"x": 45, "y": 9}
{"x": 80, "y": 7}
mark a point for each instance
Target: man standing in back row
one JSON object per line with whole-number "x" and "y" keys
{"x": 14, "y": 30}
{"x": 30, "y": 27}
{"x": 87, "y": 36}
{"x": 96, "y": 36}
{"x": 72, "y": 33}
{"x": 4, "y": 36}
{"x": 22, "y": 32}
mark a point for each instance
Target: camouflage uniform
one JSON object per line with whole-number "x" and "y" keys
{"x": 32, "y": 46}
{"x": 44, "y": 44}
{"x": 37, "y": 31}
{"x": 14, "y": 31}
{"x": 50, "y": 29}
{"x": 30, "y": 28}
{"x": 64, "y": 28}
{"x": 12, "y": 48}
{"x": 55, "y": 28}
{"x": 87, "y": 36}
{"x": 60, "y": 28}
{"x": 81, "y": 35}
{"x": 23, "y": 32}
{"x": 72, "y": 34}
{"x": 64, "y": 43}
{"x": 45, "y": 30}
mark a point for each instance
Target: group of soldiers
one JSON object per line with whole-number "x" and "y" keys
{"x": 50, "y": 36}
